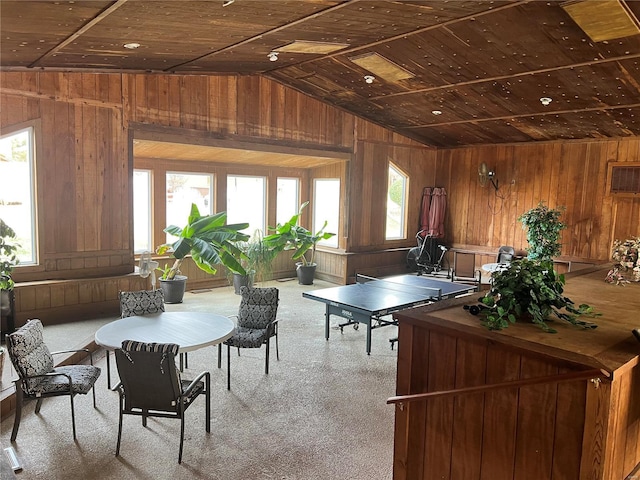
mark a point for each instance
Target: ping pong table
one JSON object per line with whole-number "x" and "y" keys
{"x": 370, "y": 299}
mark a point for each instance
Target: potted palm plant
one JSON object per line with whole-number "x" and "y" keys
{"x": 256, "y": 260}
{"x": 293, "y": 236}
{"x": 209, "y": 241}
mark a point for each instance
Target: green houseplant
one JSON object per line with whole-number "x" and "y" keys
{"x": 293, "y": 236}
{"x": 543, "y": 227}
{"x": 208, "y": 240}
{"x": 257, "y": 260}
{"x": 530, "y": 290}
{"x": 8, "y": 256}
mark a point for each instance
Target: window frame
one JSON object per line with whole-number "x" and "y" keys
{"x": 403, "y": 206}
{"x": 36, "y": 189}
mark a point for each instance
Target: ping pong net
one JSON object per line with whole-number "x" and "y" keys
{"x": 425, "y": 292}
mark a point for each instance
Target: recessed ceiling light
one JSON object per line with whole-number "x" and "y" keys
{"x": 545, "y": 101}
{"x": 131, "y": 46}
{"x": 369, "y": 78}
{"x": 273, "y": 56}
{"x": 436, "y": 112}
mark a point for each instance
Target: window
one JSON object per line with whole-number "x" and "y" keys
{"x": 287, "y": 199}
{"x": 17, "y": 195}
{"x": 183, "y": 189}
{"x": 142, "y": 211}
{"x": 326, "y": 207}
{"x": 246, "y": 201}
{"x": 396, "y": 204}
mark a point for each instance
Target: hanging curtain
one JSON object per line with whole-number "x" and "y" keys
{"x": 424, "y": 211}
{"x": 437, "y": 212}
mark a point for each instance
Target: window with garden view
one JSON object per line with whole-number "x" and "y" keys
{"x": 17, "y": 195}
{"x": 396, "y": 204}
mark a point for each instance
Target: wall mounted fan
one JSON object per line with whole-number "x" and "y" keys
{"x": 148, "y": 267}
{"x": 484, "y": 175}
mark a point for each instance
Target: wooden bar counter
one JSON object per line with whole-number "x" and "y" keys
{"x": 563, "y": 428}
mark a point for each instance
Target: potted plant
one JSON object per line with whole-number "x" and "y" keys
{"x": 256, "y": 260}
{"x": 8, "y": 260}
{"x": 627, "y": 258}
{"x": 292, "y": 236}
{"x": 209, "y": 241}
{"x": 530, "y": 290}
{"x": 543, "y": 227}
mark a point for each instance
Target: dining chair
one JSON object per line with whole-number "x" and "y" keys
{"x": 256, "y": 324}
{"x": 464, "y": 271}
{"x": 39, "y": 379}
{"x": 505, "y": 254}
{"x": 140, "y": 302}
{"x": 150, "y": 386}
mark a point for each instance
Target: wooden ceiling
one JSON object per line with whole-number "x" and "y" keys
{"x": 483, "y": 65}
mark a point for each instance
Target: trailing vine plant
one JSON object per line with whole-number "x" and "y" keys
{"x": 533, "y": 290}
{"x": 543, "y": 227}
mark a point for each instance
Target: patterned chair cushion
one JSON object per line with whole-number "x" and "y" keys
{"x": 31, "y": 356}
{"x": 248, "y": 338}
{"x": 258, "y": 307}
{"x": 135, "y": 346}
{"x": 256, "y": 315}
{"x": 172, "y": 348}
{"x": 142, "y": 302}
{"x": 82, "y": 379}
{"x": 28, "y": 352}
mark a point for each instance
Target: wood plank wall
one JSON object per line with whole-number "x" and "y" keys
{"x": 84, "y": 191}
{"x": 84, "y": 164}
{"x": 570, "y": 174}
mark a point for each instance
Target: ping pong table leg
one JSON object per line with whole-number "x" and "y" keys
{"x": 369, "y": 337}
{"x": 326, "y": 323}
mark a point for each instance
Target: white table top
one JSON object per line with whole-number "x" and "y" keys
{"x": 190, "y": 330}
{"x": 494, "y": 267}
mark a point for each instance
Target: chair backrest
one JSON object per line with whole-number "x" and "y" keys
{"x": 505, "y": 254}
{"x": 29, "y": 354}
{"x": 149, "y": 375}
{"x": 142, "y": 302}
{"x": 258, "y": 307}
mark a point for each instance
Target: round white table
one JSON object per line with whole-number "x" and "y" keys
{"x": 190, "y": 330}
{"x": 494, "y": 267}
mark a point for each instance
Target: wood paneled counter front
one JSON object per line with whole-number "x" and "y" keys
{"x": 564, "y": 427}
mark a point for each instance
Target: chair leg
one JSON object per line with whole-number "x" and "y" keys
{"x": 266, "y": 358}
{"x": 277, "y": 352}
{"x": 108, "y": 371}
{"x": 228, "y": 367}
{"x": 144, "y": 418}
{"x": 119, "y": 426}
{"x": 73, "y": 416}
{"x": 39, "y": 405}
{"x": 207, "y": 402}
{"x": 94, "y": 395}
{"x": 181, "y": 431}
{"x": 18, "y": 415}
{"x": 219, "y": 355}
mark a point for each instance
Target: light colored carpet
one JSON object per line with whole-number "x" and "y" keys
{"x": 319, "y": 414}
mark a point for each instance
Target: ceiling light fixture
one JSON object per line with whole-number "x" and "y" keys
{"x": 226, "y": 3}
{"x": 369, "y": 78}
{"x": 436, "y": 112}
{"x": 545, "y": 101}
{"x": 131, "y": 46}
{"x": 273, "y": 56}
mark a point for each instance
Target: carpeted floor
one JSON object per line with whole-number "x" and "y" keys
{"x": 319, "y": 414}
